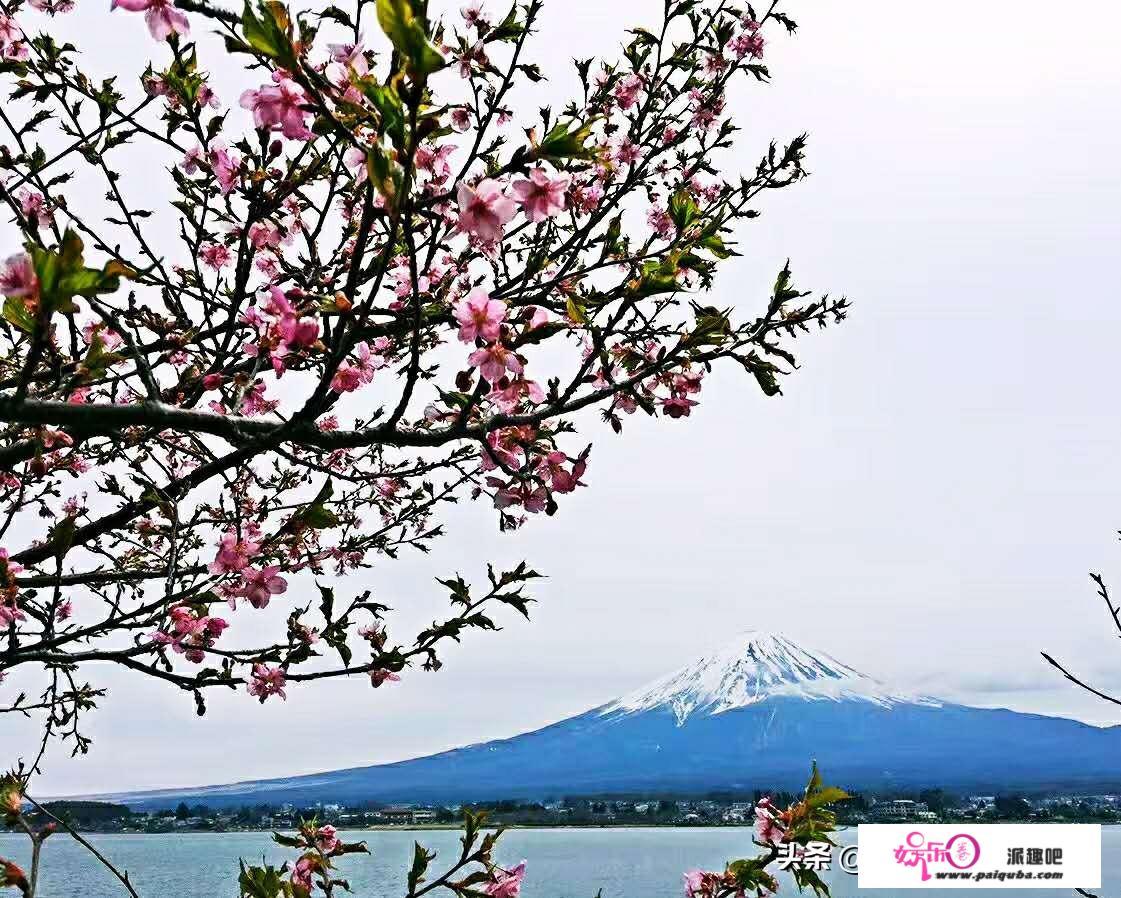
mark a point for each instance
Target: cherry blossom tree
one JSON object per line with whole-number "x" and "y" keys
{"x": 359, "y": 291}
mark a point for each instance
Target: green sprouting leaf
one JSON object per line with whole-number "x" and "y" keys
{"x": 263, "y": 882}
{"x": 384, "y": 172}
{"x": 656, "y": 277}
{"x": 408, "y": 34}
{"x": 564, "y": 141}
{"x": 683, "y": 209}
{"x": 388, "y": 104}
{"x": 826, "y": 795}
{"x": 317, "y": 515}
{"x": 421, "y": 859}
{"x": 98, "y": 359}
{"x": 271, "y": 34}
{"x": 62, "y": 275}
{"x": 576, "y": 310}
{"x": 17, "y": 314}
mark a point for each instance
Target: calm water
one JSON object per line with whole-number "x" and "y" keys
{"x": 563, "y": 863}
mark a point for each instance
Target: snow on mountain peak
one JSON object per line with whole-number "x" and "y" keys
{"x": 755, "y": 667}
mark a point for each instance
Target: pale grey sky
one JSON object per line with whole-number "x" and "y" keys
{"x": 923, "y": 503}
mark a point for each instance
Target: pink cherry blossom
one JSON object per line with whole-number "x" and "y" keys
{"x": 626, "y": 91}
{"x": 694, "y": 882}
{"x": 326, "y": 839}
{"x": 767, "y": 827}
{"x": 17, "y": 278}
{"x": 479, "y": 316}
{"x": 161, "y": 16}
{"x": 226, "y": 166}
{"x": 267, "y": 681}
{"x": 484, "y": 209}
{"x": 10, "y": 32}
{"x": 461, "y": 118}
{"x": 381, "y": 675}
{"x": 191, "y": 159}
{"x": 541, "y": 196}
{"x": 494, "y": 361}
{"x": 260, "y": 586}
{"x": 233, "y": 554}
{"x": 660, "y": 222}
{"x": 34, "y": 207}
{"x": 533, "y": 498}
{"x": 677, "y": 406}
{"x": 509, "y": 397}
{"x": 351, "y": 375}
{"x": 474, "y": 16}
{"x": 215, "y": 255}
{"x": 304, "y": 868}
{"x": 505, "y": 883}
{"x": 279, "y": 107}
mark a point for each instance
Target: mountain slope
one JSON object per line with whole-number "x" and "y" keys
{"x": 751, "y": 715}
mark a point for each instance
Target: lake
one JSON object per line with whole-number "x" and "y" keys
{"x": 563, "y": 863}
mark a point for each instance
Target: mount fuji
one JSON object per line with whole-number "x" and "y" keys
{"x": 749, "y": 716}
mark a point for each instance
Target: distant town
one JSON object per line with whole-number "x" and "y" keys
{"x": 931, "y": 805}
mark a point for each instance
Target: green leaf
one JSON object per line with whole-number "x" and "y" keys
{"x": 388, "y": 104}
{"x": 406, "y": 31}
{"x": 16, "y": 313}
{"x": 317, "y": 515}
{"x": 565, "y": 142}
{"x": 421, "y": 858}
{"x": 826, "y": 796}
{"x": 657, "y": 277}
{"x": 262, "y": 882}
{"x": 271, "y": 34}
{"x": 62, "y": 275}
{"x": 683, "y": 209}
{"x": 576, "y": 310}
{"x": 384, "y": 173}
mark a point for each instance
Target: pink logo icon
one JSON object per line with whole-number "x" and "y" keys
{"x": 960, "y": 851}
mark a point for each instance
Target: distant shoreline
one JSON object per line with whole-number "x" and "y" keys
{"x": 434, "y": 827}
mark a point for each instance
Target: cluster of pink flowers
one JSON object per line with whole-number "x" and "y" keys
{"x": 18, "y": 280}
{"x": 505, "y": 883}
{"x": 359, "y": 369}
{"x": 748, "y": 42}
{"x": 9, "y": 593}
{"x": 281, "y": 329}
{"x": 627, "y": 90}
{"x": 224, "y": 164}
{"x": 542, "y": 471}
{"x": 281, "y": 106}
{"x": 256, "y": 585}
{"x": 161, "y": 16}
{"x": 13, "y": 47}
{"x": 708, "y": 884}
{"x": 381, "y": 675}
{"x": 768, "y": 828}
{"x": 190, "y": 633}
{"x": 265, "y": 681}
{"x": 485, "y": 208}
{"x": 35, "y": 207}
{"x": 681, "y": 385}
{"x": 540, "y": 195}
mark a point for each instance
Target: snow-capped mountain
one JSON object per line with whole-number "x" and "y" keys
{"x": 751, "y": 715}
{"x": 753, "y": 668}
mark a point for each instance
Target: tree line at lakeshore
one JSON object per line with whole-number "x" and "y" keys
{"x": 707, "y": 810}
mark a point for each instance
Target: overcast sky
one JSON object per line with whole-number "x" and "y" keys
{"x": 923, "y": 503}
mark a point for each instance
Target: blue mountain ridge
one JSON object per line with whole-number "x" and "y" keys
{"x": 752, "y": 715}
